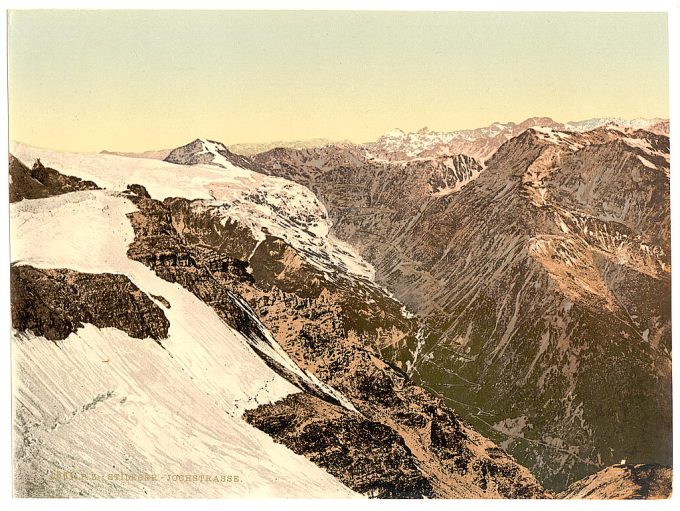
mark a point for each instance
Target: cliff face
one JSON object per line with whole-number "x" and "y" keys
{"x": 544, "y": 285}
{"x": 56, "y": 303}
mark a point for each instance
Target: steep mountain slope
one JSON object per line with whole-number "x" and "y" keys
{"x": 624, "y": 482}
{"x": 251, "y": 318}
{"x": 544, "y": 284}
{"x": 367, "y": 179}
{"x": 331, "y": 329}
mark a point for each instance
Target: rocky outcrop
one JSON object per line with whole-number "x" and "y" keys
{"x": 367, "y": 456}
{"x": 56, "y": 303}
{"x": 408, "y": 428}
{"x": 626, "y": 481}
{"x": 39, "y": 181}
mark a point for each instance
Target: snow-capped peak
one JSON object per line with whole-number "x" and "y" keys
{"x": 217, "y": 150}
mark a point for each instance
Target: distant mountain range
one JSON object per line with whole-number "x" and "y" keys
{"x": 482, "y": 143}
{"x": 245, "y": 149}
{"x": 397, "y": 145}
{"x": 255, "y": 148}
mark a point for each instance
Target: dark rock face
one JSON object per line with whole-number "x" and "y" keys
{"x": 334, "y": 331}
{"x": 544, "y": 285}
{"x": 627, "y": 481}
{"x": 56, "y": 303}
{"x": 456, "y": 460}
{"x": 40, "y": 182}
{"x": 367, "y": 456}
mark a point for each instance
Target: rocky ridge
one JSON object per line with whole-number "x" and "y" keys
{"x": 206, "y": 151}
{"x": 39, "y": 182}
{"x": 56, "y": 303}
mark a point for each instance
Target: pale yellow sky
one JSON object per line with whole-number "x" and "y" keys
{"x": 141, "y": 80}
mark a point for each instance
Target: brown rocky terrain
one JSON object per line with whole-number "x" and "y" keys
{"x": 544, "y": 284}
{"x": 56, "y": 303}
{"x": 641, "y": 481}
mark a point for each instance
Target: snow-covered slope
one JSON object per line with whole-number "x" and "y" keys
{"x": 133, "y": 406}
{"x": 264, "y": 204}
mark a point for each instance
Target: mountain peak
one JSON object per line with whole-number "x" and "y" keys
{"x": 203, "y": 151}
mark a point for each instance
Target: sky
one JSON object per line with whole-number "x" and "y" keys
{"x": 143, "y": 80}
